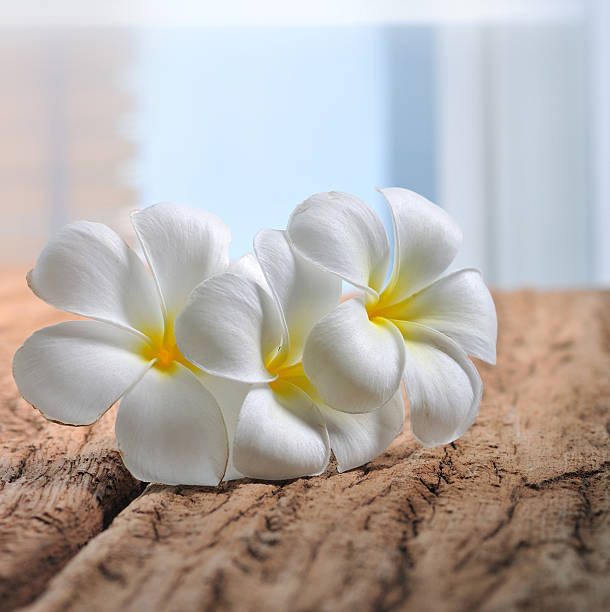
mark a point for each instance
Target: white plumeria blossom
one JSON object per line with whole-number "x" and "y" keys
{"x": 250, "y": 325}
{"x": 412, "y": 327}
{"x": 169, "y": 427}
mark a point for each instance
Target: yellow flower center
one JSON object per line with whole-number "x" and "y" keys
{"x": 387, "y": 310}
{"x": 386, "y": 306}
{"x": 293, "y": 374}
{"x": 166, "y": 352}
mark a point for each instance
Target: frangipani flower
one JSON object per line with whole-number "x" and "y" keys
{"x": 250, "y": 325}
{"x": 169, "y": 427}
{"x": 412, "y": 327}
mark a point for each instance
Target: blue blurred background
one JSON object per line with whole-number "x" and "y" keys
{"x": 498, "y": 111}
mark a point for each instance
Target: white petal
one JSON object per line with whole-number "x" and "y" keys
{"x": 183, "y": 246}
{"x": 88, "y": 270}
{"x": 230, "y": 327}
{"x": 247, "y": 265}
{"x": 458, "y": 305}
{"x": 305, "y": 293}
{"x": 443, "y": 386}
{"x": 74, "y": 371}
{"x": 280, "y": 434}
{"x": 426, "y": 241}
{"x": 230, "y": 396}
{"x": 170, "y": 430}
{"x": 358, "y": 438}
{"x": 342, "y": 234}
{"x": 355, "y": 364}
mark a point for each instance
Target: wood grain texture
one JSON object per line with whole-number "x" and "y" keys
{"x": 59, "y": 486}
{"x": 514, "y": 515}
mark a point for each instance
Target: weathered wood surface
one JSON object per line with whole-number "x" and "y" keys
{"x": 514, "y": 515}
{"x": 59, "y": 486}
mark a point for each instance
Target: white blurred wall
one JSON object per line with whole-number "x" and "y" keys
{"x": 498, "y": 110}
{"x": 515, "y": 150}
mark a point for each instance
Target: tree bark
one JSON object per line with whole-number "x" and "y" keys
{"x": 515, "y": 514}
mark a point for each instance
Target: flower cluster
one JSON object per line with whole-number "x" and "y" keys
{"x": 257, "y": 367}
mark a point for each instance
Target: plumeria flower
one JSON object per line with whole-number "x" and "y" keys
{"x": 169, "y": 427}
{"x": 250, "y": 325}
{"x": 411, "y": 327}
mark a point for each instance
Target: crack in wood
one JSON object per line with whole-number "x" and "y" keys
{"x": 512, "y": 515}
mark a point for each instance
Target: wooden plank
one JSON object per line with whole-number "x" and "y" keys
{"x": 513, "y": 515}
{"x": 59, "y": 486}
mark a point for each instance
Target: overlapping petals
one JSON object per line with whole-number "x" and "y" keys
{"x": 88, "y": 270}
{"x": 256, "y": 368}
{"x": 440, "y": 320}
{"x": 181, "y": 249}
{"x": 74, "y": 371}
{"x": 358, "y": 438}
{"x": 366, "y": 358}
{"x": 304, "y": 293}
{"x": 169, "y": 427}
{"x": 230, "y": 396}
{"x": 426, "y": 240}
{"x": 280, "y": 434}
{"x": 442, "y": 384}
{"x": 284, "y": 428}
{"x": 341, "y": 234}
{"x": 231, "y": 327}
{"x": 458, "y": 305}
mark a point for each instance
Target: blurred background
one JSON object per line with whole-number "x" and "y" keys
{"x": 499, "y": 111}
